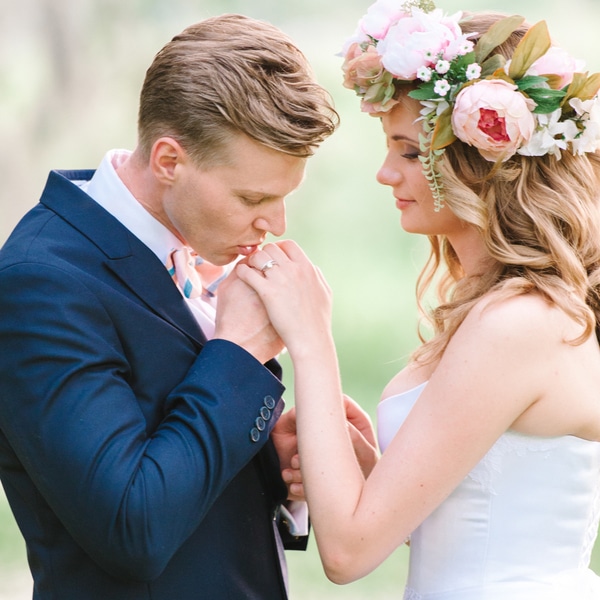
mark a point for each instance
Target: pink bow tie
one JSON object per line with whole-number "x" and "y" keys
{"x": 193, "y": 275}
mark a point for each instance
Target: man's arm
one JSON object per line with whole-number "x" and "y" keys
{"x": 129, "y": 496}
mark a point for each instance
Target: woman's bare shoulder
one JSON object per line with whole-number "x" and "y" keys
{"x": 525, "y": 317}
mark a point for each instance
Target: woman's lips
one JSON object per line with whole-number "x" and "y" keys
{"x": 402, "y": 203}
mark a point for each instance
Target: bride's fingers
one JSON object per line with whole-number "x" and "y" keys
{"x": 259, "y": 260}
{"x": 276, "y": 253}
{"x": 291, "y": 249}
{"x": 250, "y": 275}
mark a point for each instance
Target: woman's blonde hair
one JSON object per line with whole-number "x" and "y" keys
{"x": 540, "y": 221}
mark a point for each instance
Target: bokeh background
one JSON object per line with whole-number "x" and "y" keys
{"x": 70, "y": 73}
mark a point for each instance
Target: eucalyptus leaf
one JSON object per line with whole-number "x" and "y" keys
{"x": 534, "y": 45}
{"x": 576, "y": 85}
{"x": 590, "y": 87}
{"x": 582, "y": 87}
{"x": 497, "y": 34}
{"x": 442, "y": 134}
{"x": 492, "y": 64}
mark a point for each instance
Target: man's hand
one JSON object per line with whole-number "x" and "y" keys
{"x": 362, "y": 435}
{"x": 284, "y": 437}
{"x": 286, "y": 443}
{"x": 242, "y": 319}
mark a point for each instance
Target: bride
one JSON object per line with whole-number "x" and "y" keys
{"x": 490, "y": 437}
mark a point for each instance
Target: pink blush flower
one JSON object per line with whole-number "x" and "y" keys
{"x": 493, "y": 125}
{"x": 494, "y": 117}
{"x": 361, "y": 68}
{"x": 380, "y": 16}
{"x": 558, "y": 62}
{"x": 417, "y": 41}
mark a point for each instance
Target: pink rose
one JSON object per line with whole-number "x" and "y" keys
{"x": 494, "y": 117}
{"x": 361, "y": 68}
{"x": 557, "y": 62}
{"x": 364, "y": 73}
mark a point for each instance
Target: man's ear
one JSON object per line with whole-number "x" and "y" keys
{"x": 165, "y": 155}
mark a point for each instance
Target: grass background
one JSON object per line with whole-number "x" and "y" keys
{"x": 70, "y": 73}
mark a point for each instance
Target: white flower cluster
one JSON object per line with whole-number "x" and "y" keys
{"x": 553, "y": 135}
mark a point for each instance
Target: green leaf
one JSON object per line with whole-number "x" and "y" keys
{"x": 491, "y": 65}
{"x": 547, "y": 100}
{"x": 442, "y": 134}
{"x": 530, "y": 81}
{"x": 497, "y": 34}
{"x": 582, "y": 87}
{"x": 462, "y": 62}
{"x": 590, "y": 87}
{"x": 423, "y": 92}
{"x": 375, "y": 93}
{"x": 534, "y": 45}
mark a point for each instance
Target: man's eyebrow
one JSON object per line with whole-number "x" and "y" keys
{"x": 255, "y": 193}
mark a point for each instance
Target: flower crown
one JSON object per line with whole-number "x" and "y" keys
{"x": 539, "y": 102}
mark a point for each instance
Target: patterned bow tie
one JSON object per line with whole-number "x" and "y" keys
{"x": 193, "y": 275}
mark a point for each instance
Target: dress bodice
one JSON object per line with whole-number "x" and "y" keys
{"x": 520, "y": 526}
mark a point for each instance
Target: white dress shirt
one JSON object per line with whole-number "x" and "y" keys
{"x": 107, "y": 189}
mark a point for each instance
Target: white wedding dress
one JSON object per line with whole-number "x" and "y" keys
{"x": 520, "y": 526}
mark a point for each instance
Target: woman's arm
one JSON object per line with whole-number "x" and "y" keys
{"x": 484, "y": 381}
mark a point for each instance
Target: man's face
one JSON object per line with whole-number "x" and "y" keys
{"x": 226, "y": 211}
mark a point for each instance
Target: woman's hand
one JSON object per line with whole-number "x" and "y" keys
{"x": 294, "y": 292}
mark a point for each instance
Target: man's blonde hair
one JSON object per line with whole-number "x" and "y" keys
{"x": 233, "y": 74}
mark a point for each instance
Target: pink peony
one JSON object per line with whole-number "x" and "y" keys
{"x": 380, "y": 16}
{"x": 557, "y": 62}
{"x": 418, "y": 41}
{"x": 494, "y": 117}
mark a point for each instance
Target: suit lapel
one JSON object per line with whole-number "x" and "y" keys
{"x": 156, "y": 289}
{"x": 131, "y": 261}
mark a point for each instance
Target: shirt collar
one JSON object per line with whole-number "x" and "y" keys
{"x": 107, "y": 189}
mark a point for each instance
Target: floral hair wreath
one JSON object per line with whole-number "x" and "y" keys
{"x": 539, "y": 102}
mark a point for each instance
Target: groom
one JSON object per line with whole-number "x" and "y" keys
{"x": 137, "y": 424}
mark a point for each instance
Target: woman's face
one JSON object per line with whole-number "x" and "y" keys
{"x": 403, "y": 172}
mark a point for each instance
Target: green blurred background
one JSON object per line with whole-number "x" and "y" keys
{"x": 70, "y": 73}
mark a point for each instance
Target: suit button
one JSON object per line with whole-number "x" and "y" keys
{"x": 260, "y": 423}
{"x": 254, "y": 434}
{"x": 265, "y": 413}
{"x": 270, "y": 402}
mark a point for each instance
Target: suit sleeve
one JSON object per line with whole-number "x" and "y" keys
{"x": 129, "y": 496}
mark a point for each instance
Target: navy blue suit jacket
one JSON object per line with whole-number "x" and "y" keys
{"x": 127, "y": 449}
